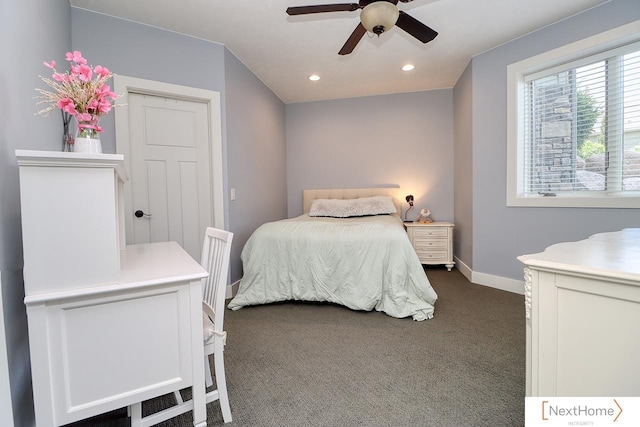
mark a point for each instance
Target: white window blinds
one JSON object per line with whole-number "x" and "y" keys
{"x": 582, "y": 126}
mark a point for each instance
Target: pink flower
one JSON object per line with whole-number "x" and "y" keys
{"x": 83, "y": 117}
{"x": 76, "y": 57}
{"x": 105, "y": 92}
{"x": 104, "y": 106}
{"x": 51, "y": 65}
{"x": 68, "y": 106}
{"x": 83, "y": 72}
{"x": 103, "y": 71}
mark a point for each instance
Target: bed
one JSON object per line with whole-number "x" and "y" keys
{"x": 363, "y": 262}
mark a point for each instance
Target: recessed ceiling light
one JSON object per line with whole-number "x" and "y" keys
{"x": 314, "y": 77}
{"x": 408, "y": 67}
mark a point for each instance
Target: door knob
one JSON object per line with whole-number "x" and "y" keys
{"x": 140, "y": 214}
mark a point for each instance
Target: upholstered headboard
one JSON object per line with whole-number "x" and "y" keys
{"x": 308, "y": 196}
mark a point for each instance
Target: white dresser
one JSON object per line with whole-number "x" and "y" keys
{"x": 109, "y": 324}
{"x": 433, "y": 242}
{"x": 582, "y": 303}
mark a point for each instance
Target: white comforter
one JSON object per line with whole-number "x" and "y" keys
{"x": 362, "y": 263}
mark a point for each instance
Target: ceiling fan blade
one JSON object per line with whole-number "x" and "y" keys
{"x": 353, "y": 40}
{"x": 321, "y": 8}
{"x": 416, "y": 28}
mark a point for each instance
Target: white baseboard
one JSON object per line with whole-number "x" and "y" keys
{"x": 498, "y": 282}
{"x": 232, "y": 289}
{"x": 464, "y": 268}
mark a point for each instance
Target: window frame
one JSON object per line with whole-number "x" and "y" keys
{"x": 516, "y": 84}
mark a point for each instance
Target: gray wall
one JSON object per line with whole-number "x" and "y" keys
{"x": 256, "y": 155}
{"x": 30, "y": 32}
{"x": 135, "y": 50}
{"x": 501, "y": 233}
{"x": 253, "y": 117}
{"x": 463, "y": 168}
{"x": 402, "y": 139}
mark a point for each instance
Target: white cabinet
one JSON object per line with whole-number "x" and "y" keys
{"x": 110, "y": 325}
{"x": 432, "y": 242}
{"x": 72, "y": 218}
{"x": 582, "y": 303}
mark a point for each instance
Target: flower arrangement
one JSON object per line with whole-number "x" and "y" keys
{"x": 82, "y": 92}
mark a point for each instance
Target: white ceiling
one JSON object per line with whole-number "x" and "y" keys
{"x": 284, "y": 50}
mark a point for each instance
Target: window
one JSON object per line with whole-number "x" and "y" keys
{"x": 574, "y": 125}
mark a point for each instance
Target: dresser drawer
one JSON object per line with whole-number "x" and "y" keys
{"x": 431, "y": 233}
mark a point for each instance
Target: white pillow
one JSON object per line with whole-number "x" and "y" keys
{"x": 344, "y": 208}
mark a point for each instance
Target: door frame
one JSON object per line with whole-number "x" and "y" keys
{"x": 123, "y": 85}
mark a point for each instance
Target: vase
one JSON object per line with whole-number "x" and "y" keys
{"x": 87, "y": 141}
{"x": 67, "y": 142}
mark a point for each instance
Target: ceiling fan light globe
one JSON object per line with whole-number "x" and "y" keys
{"x": 379, "y": 16}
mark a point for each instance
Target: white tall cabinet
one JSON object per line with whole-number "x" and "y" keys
{"x": 72, "y": 219}
{"x": 582, "y": 303}
{"x": 109, "y": 324}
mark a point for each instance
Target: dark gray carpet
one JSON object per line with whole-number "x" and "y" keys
{"x": 304, "y": 364}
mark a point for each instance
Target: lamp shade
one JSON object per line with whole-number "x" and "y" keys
{"x": 379, "y": 16}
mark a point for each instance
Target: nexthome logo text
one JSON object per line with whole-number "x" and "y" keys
{"x": 551, "y": 410}
{"x": 582, "y": 411}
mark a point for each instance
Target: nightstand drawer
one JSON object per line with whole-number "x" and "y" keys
{"x": 429, "y": 256}
{"x": 421, "y": 243}
{"x": 431, "y": 232}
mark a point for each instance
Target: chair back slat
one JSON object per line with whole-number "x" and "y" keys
{"x": 216, "y": 253}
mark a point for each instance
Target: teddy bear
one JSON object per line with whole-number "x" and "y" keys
{"x": 425, "y": 216}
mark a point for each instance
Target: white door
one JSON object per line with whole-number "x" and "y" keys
{"x": 169, "y": 171}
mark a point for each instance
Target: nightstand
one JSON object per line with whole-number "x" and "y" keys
{"x": 432, "y": 242}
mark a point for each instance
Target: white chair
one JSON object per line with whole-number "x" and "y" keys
{"x": 216, "y": 252}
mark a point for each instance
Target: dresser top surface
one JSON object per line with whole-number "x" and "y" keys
{"x": 141, "y": 266}
{"x": 162, "y": 261}
{"x": 429, "y": 224}
{"x": 615, "y": 254}
{"x": 59, "y": 159}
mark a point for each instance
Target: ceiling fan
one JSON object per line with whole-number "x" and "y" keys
{"x": 377, "y": 16}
